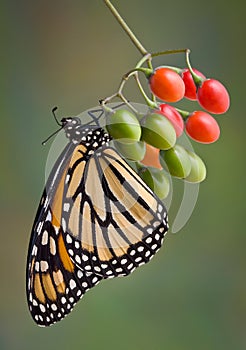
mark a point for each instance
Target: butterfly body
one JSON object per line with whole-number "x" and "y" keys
{"x": 96, "y": 220}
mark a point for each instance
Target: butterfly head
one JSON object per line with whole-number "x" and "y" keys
{"x": 70, "y": 123}
{"x": 90, "y": 135}
{"x": 71, "y": 127}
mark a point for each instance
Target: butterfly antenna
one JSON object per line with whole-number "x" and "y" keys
{"x": 54, "y": 133}
{"x": 54, "y": 115}
{"x": 57, "y": 121}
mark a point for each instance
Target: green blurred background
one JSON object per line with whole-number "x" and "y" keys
{"x": 71, "y": 54}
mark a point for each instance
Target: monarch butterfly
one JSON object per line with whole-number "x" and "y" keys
{"x": 96, "y": 219}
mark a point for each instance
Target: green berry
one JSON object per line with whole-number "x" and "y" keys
{"x": 124, "y": 126}
{"x": 198, "y": 168}
{"x": 177, "y": 161}
{"x": 132, "y": 151}
{"x": 157, "y": 131}
{"x": 157, "y": 180}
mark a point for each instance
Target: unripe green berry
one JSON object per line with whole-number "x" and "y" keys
{"x": 157, "y": 131}
{"x": 198, "y": 169}
{"x": 157, "y": 180}
{"x": 133, "y": 151}
{"x": 177, "y": 161}
{"x": 123, "y": 125}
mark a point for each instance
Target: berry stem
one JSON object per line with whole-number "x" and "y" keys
{"x": 150, "y": 103}
{"x": 146, "y": 58}
{"x": 134, "y": 72}
{"x": 168, "y": 52}
{"x": 197, "y": 79}
{"x": 128, "y": 31}
{"x": 148, "y": 72}
{"x": 184, "y": 114}
{"x": 119, "y": 93}
{"x": 175, "y": 69}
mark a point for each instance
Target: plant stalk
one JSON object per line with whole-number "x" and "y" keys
{"x": 128, "y": 31}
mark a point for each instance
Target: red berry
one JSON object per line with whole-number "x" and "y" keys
{"x": 190, "y": 86}
{"x": 174, "y": 117}
{"x": 213, "y": 96}
{"x": 167, "y": 85}
{"x": 202, "y": 127}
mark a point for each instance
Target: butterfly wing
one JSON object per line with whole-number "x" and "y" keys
{"x": 54, "y": 282}
{"x": 113, "y": 221}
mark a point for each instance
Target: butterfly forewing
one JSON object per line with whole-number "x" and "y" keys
{"x": 97, "y": 219}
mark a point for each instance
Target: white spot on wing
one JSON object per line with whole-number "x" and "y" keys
{"x": 66, "y": 207}
{"x": 80, "y": 274}
{"x": 72, "y": 284}
{"x": 147, "y": 254}
{"x": 44, "y": 266}
{"x": 77, "y": 245}
{"x": 39, "y": 228}
{"x": 69, "y": 239}
{"x": 48, "y": 217}
{"x": 94, "y": 280}
{"x": 156, "y": 223}
{"x": 34, "y": 250}
{"x": 54, "y": 307}
{"x": 42, "y": 308}
{"x": 140, "y": 249}
{"x": 70, "y": 252}
{"x": 77, "y": 258}
{"x": 44, "y": 238}
{"x": 67, "y": 178}
{"x": 46, "y": 202}
{"x": 37, "y": 266}
{"x": 64, "y": 225}
{"x": 52, "y": 246}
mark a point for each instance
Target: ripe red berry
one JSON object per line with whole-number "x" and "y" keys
{"x": 167, "y": 85}
{"x": 213, "y": 96}
{"x": 202, "y": 127}
{"x": 190, "y": 86}
{"x": 174, "y": 117}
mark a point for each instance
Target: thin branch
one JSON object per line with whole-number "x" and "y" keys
{"x": 123, "y": 24}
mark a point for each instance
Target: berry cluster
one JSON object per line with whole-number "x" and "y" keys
{"x": 150, "y": 139}
{"x": 172, "y": 84}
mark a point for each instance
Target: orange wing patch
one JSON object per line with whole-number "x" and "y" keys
{"x": 78, "y": 171}
{"x": 38, "y": 288}
{"x": 65, "y": 259}
{"x": 48, "y": 286}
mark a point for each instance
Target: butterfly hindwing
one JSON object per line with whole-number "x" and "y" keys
{"x": 114, "y": 222}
